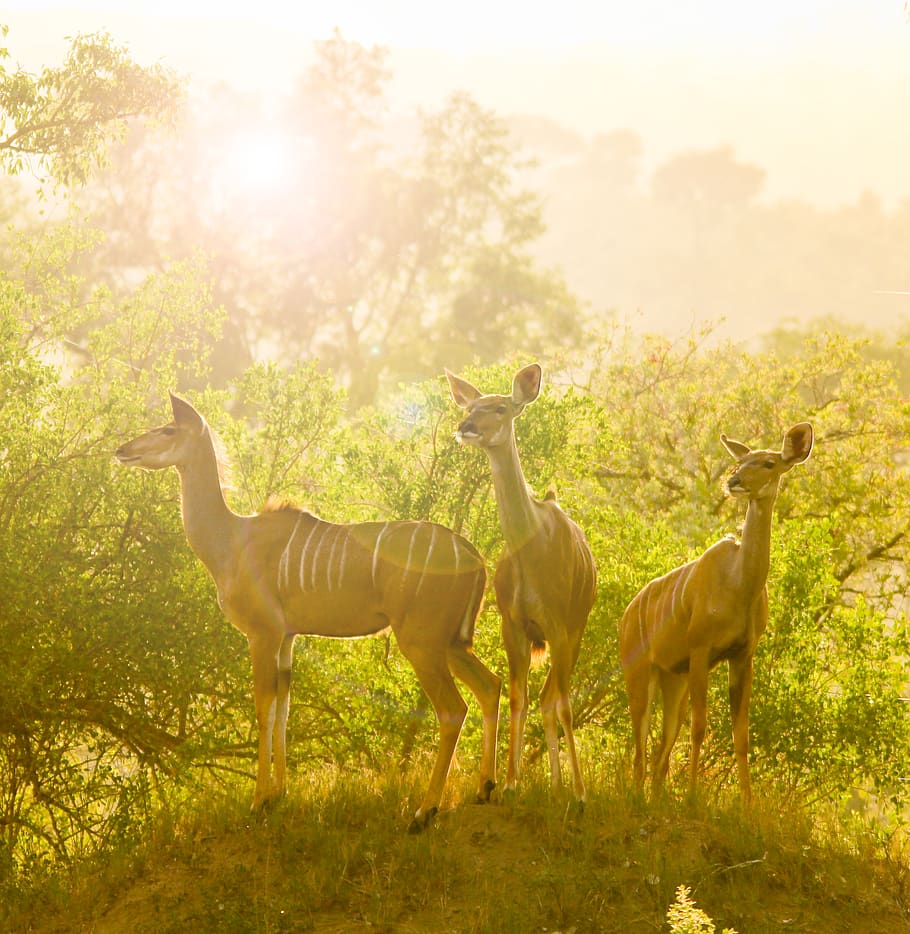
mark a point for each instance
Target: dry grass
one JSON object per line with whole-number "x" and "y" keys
{"x": 334, "y": 857}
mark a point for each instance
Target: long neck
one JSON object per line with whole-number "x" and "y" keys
{"x": 206, "y": 517}
{"x": 517, "y": 510}
{"x": 755, "y": 546}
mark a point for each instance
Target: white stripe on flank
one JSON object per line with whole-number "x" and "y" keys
{"x": 642, "y": 615}
{"x": 314, "y": 564}
{"x": 328, "y": 568}
{"x": 674, "y": 595}
{"x": 344, "y": 552}
{"x": 283, "y": 569}
{"x": 382, "y": 532}
{"x": 467, "y": 623}
{"x": 426, "y": 562}
{"x": 407, "y": 566}
{"x": 454, "y": 582}
{"x": 303, "y": 550}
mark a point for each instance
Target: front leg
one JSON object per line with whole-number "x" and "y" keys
{"x": 282, "y": 707}
{"x": 518, "y": 653}
{"x": 698, "y": 697}
{"x": 264, "y": 651}
{"x": 741, "y": 672}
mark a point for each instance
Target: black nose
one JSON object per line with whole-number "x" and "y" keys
{"x": 467, "y": 427}
{"x": 733, "y": 483}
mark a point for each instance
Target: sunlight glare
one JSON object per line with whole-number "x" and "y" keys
{"x": 259, "y": 163}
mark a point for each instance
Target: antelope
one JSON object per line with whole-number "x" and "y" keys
{"x": 284, "y": 572}
{"x": 545, "y": 582}
{"x": 713, "y": 609}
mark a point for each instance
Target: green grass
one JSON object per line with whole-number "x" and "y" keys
{"x": 334, "y": 856}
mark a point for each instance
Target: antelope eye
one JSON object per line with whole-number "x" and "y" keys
{"x": 500, "y": 410}
{"x": 768, "y": 464}
{"x": 169, "y": 430}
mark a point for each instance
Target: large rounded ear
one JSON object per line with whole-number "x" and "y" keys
{"x": 526, "y": 385}
{"x": 736, "y": 448}
{"x": 797, "y": 444}
{"x": 185, "y": 414}
{"x": 462, "y": 391}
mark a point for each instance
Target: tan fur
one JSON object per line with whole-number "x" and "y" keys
{"x": 545, "y": 582}
{"x": 714, "y": 609}
{"x": 286, "y": 572}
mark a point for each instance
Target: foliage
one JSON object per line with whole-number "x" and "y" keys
{"x": 685, "y": 917}
{"x": 65, "y": 118}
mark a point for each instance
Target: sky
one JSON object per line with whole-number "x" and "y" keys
{"x": 816, "y": 92}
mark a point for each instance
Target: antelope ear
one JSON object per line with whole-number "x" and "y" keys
{"x": 462, "y": 391}
{"x": 185, "y": 414}
{"x": 526, "y": 385}
{"x": 798, "y": 443}
{"x": 736, "y": 448}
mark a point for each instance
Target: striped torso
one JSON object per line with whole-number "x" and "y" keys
{"x": 354, "y": 579}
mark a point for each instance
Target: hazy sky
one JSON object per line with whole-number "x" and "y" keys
{"x": 816, "y": 92}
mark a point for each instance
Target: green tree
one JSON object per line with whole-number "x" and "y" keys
{"x": 64, "y": 119}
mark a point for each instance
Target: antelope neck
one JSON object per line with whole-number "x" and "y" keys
{"x": 516, "y": 508}
{"x": 207, "y": 520}
{"x": 755, "y": 545}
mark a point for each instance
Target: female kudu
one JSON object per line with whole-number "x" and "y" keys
{"x": 546, "y": 581}
{"x": 285, "y": 572}
{"x": 713, "y": 609}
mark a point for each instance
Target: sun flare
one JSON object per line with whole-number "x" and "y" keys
{"x": 259, "y": 163}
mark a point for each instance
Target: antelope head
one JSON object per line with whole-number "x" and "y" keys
{"x": 757, "y": 473}
{"x": 489, "y": 418}
{"x": 170, "y": 445}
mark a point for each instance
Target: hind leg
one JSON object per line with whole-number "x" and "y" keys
{"x": 674, "y": 691}
{"x": 486, "y": 687}
{"x": 641, "y": 683}
{"x": 556, "y": 705}
{"x": 433, "y": 673}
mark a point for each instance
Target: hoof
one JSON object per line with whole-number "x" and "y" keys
{"x": 483, "y": 797}
{"x": 421, "y": 821}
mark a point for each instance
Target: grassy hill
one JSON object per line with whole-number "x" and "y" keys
{"x": 334, "y": 857}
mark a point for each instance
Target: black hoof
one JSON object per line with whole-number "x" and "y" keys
{"x": 483, "y": 797}
{"x": 421, "y": 822}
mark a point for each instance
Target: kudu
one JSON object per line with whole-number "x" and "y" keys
{"x": 285, "y": 572}
{"x": 545, "y": 582}
{"x": 713, "y": 609}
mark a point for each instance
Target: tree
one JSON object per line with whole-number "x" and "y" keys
{"x": 713, "y": 180}
{"x": 381, "y": 243}
{"x": 64, "y": 119}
